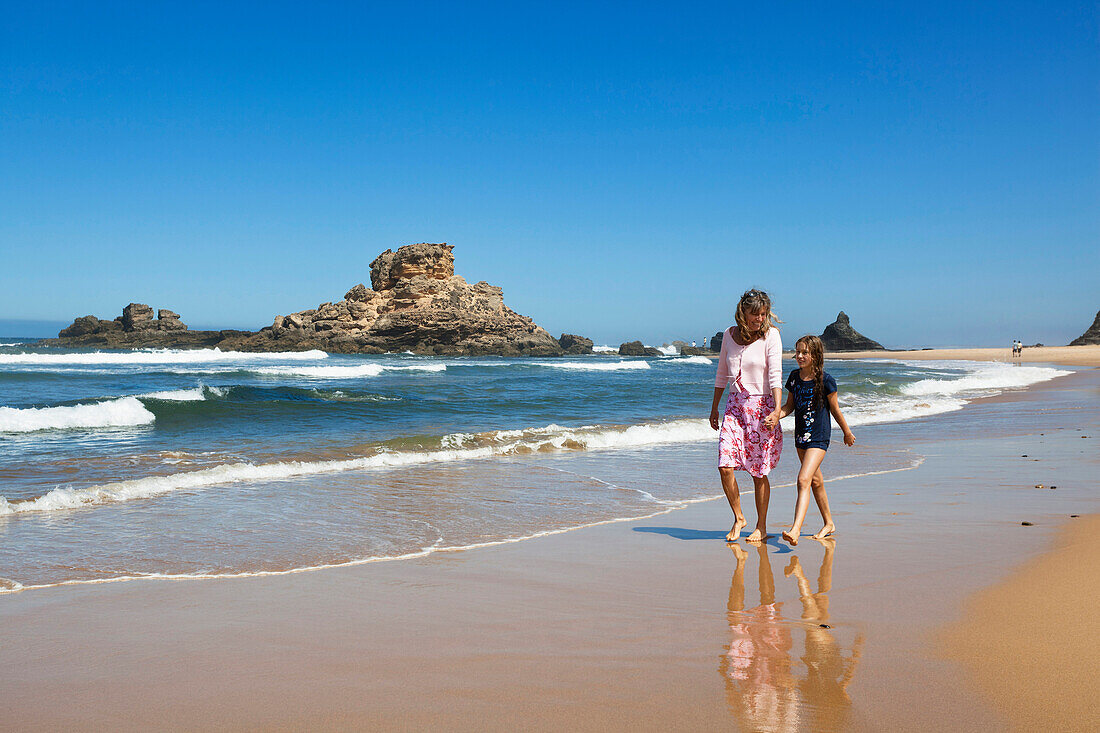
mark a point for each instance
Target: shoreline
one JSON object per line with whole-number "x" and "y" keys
{"x": 578, "y": 629}
{"x": 1087, "y": 356}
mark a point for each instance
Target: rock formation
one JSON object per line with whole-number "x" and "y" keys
{"x": 637, "y": 348}
{"x": 840, "y": 336}
{"x": 1091, "y": 336}
{"x": 572, "y": 344}
{"x": 716, "y": 342}
{"x": 415, "y": 303}
{"x": 136, "y": 327}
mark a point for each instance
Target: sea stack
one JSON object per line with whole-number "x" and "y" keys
{"x": 415, "y": 303}
{"x": 840, "y": 336}
{"x": 1091, "y": 336}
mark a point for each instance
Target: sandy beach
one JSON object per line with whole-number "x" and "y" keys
{"x": 647, "y": 624}
{"x": 1068, "y": 355}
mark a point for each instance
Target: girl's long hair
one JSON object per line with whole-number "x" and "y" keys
{"x": 755, "y": 301}
{"x": 817, "y": 355}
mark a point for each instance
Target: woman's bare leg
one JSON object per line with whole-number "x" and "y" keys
{"x": 823, "y": 506}
{"x": 811, "y": 460}
{"x": 762, "y": 492}
{"x": 733, "y": 496}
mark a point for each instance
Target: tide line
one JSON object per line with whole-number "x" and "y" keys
{"x": 435, "y": 547}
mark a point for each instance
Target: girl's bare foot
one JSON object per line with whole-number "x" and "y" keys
{"x": 791, "y": 536}
{"x": 758, "y": 535}
{"x": 827, "y": 530}
{"x": 735, "y": 533}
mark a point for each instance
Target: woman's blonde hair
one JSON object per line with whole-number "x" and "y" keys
{"x": 816, "y": 350}
{"x": 755, "y": 301}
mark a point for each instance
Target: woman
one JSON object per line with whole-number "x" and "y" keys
{"x": 750, "y": 438}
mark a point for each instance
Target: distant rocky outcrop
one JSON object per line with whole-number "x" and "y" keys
{"x": 716, "y": 342}
{"x": 840, "y": 336}
{"x": 136, "y": 327}
{"x": 573, "y": 344}
{"x": 415, "y": 303}
{"x": 1091, "y": 336}
{"x": 637, "y": 348}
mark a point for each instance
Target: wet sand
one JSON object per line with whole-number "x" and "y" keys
{"x": 1088, "y": 356}
{"x": 1030, "y": 644}
{"x": 649, "y": 624}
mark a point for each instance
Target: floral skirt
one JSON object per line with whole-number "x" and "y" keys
{"x": 743, "y": 441}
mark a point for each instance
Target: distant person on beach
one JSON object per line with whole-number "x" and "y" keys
{"x": 812, "y": 397}
{"x": 750, "y": 438}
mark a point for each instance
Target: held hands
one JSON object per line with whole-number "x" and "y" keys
{"x": 771, "y": 420}
{"x": 849, "y": 439}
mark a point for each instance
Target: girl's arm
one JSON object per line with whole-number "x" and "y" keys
{"x": 834, "y": 410}
{"x": 787, "y": 408}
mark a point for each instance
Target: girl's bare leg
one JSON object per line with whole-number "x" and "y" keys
{"x": 733, "y": 496}
{"x": 762, "y": 492}
{"x": 811, "y": 460}
{"x": 823, "y": 506}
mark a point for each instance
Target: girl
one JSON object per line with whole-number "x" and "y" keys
{"x": 811, "y": 396}
{"x": 750, "y": 438}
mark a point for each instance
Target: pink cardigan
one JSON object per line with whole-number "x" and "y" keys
{"x": 759, "y": 364}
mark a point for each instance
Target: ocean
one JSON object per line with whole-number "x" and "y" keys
{"x": 150, "y": 464}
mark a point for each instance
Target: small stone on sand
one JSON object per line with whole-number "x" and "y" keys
{"x": 1026, "y": 524}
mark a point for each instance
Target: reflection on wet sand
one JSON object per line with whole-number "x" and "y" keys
{"x": 767, "y": 687}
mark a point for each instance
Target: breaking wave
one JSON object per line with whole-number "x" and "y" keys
{"x": 345, "y": 372}
{"x": 455, "y": 447}
{"x": 160, "y": 356}
{"x": 121, "y": 412}
{"x": 595, "y": 366}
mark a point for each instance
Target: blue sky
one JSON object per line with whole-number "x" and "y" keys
{"x": 621, "y": 170}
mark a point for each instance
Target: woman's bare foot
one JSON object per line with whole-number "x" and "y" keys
{"x": 791, "y": 536}
{"x": 827, "y": 530}
{"x": 735, "y": 532}
{"x": 758, "y": 535}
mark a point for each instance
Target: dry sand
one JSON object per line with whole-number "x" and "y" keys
{"x": 653, "y": 624}
{"x": 1031, "y": 643}
{"x": 1068, "y": 355}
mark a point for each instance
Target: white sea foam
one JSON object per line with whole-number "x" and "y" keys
{"x": 182, "y": 395}
{"x": 601, "y": 366}
{"x": 121, "y": 412}
{"x": 160, "y": 356}
{"x": 345, "y": 372}
{"x": 669, "y": 350}
{"x": 606, "y": 349}
{"x": 983, "y": 377}
{"x": 665, "y": 507}
{"x": 457, "y": 447}
{"x": 700, "y": 360}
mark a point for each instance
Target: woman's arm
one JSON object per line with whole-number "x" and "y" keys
{"x": 773, "y": 362}
{"x": 720, "y": 380}
{"x": 714, "y": 406}
{"x": 834, "y": 410}
{"x": 773, "y": 417}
